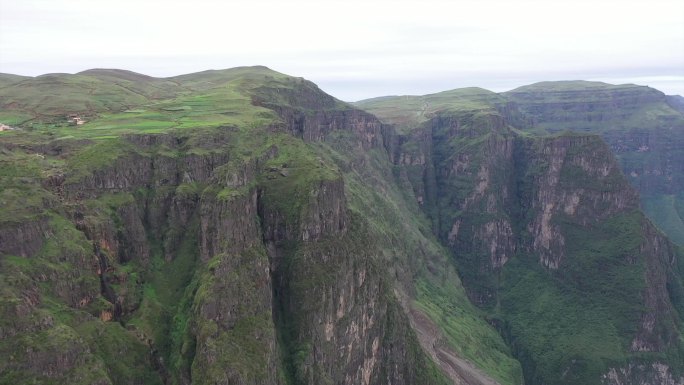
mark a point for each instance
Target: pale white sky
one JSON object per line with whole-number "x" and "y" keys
{"x": 356, "y": 49}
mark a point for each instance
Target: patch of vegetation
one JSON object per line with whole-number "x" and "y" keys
{"x": 584, "y": 314}
{"x": 239, "y": 352}
{"x": 125, "y": 356}
{"x": 22, "y": 197}
{"x": 95, "y": 157}
{"x": 289, "y": 177}
{"x": 466, "y": 330}
{"x": 425, "y": 371}
{"x": 165, "y": 309}
{"x": 237, "y": 346}
{"x": 56, "y": 331}
{"x": 57, "y": 341}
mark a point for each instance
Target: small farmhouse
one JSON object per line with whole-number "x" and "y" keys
{"x": 75, "y": 120}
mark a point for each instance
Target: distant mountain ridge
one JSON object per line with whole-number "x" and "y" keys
{"x": 643, "y": 126}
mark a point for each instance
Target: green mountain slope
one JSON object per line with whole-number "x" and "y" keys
{"x": 548, "y": 239}
{"x": 225, "y": 227}
{"x": 241, "y": 226}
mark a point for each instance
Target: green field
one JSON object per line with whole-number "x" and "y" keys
{"x": 409, "y": 111}
{"x": 114, "y": 102}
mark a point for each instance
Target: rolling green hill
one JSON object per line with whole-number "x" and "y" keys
{"x": 8, "y": 79}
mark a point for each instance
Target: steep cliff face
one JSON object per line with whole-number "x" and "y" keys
{"x": 548, "y": 238}
{"x": 576, "y": 179}
{"x": 643, "y": 127}
{"x": 230, "y": 255}
{"x": 601, "y": 255}
{"x": 334, "y": 300}
{"x": 255, "y": 243}
{"x": 473, "y": 161}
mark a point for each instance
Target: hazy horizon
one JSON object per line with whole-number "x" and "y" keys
{"x": 356, "y": 50}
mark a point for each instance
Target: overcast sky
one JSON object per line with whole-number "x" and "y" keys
{"x": 356, "y": 49}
